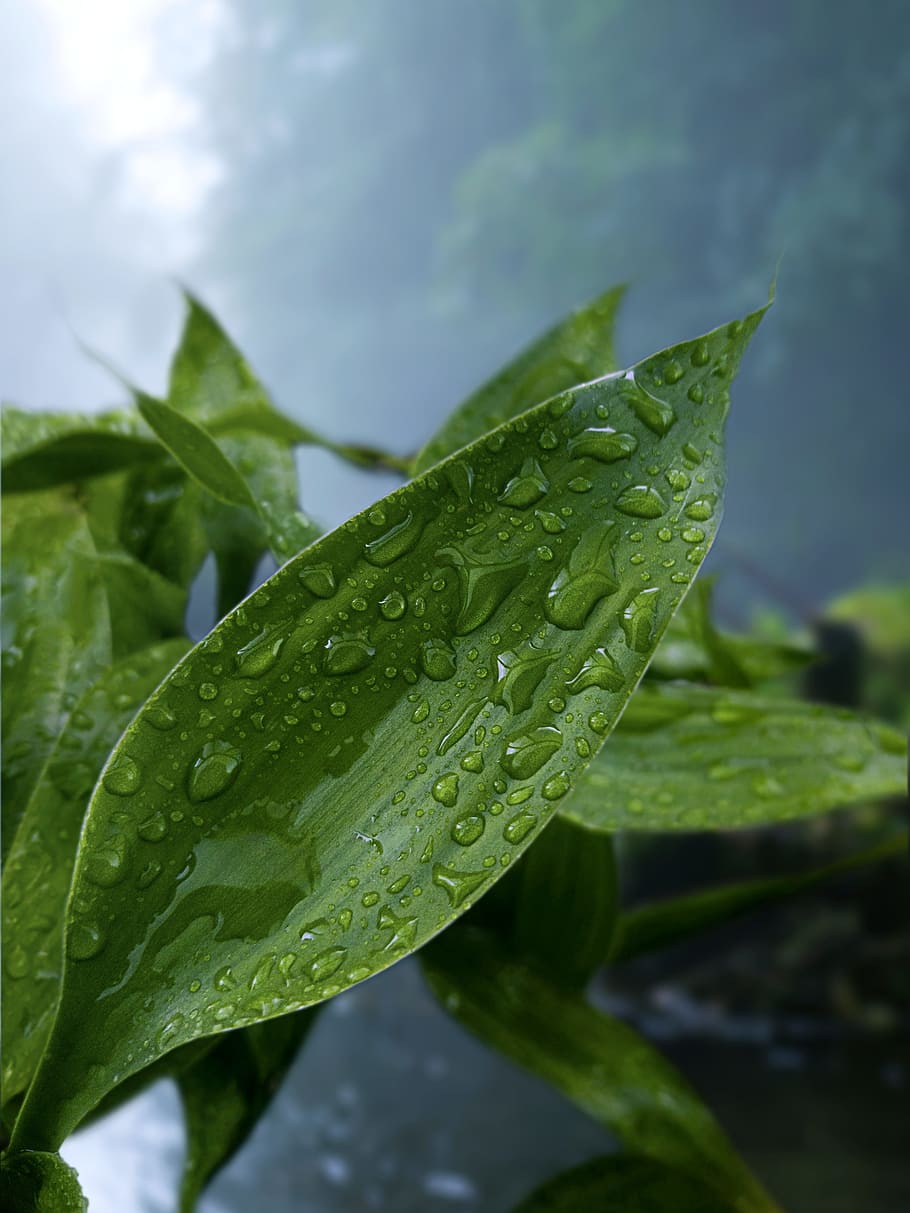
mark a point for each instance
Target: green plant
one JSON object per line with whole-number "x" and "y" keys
{"x": 204, "y": 843}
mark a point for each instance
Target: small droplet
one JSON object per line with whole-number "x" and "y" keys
{"x": 393, "y": 606}
{"x": 437, "y": 660}
{"x": 326, "y": 964}
{"x": 701, "y": 509}
{"x": 123, "y": 776}
{"x": 208, "y": 691}
{"x": 84, "y": 940}
{"x": 154, "y": 828}
{"x": 556, "y": 786}
{"x": 159, "y": 717}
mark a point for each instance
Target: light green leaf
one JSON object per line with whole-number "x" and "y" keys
{"x": 576, "y": 350}
{"x": 368, "y": 741}
{"x": 880, "y": 613}
{"x": 599, "y": 1063}
{"x": 40, "y": 865}
{"x": 42, "y": 450}
{"x": 622, "y": 1184}
{"x": 56, "y": 634}
{"x": 35, "y": 1182}
{"x": 661, "y": 924}
{"x": 696, "y": 758}
{"x": 226, "y": 1091}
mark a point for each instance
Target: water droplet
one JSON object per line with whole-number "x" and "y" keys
{"x": 517, "y": 828}
{"x": 159, "y": 717}
{"x": 767, "y": 787}
{"x": 606, "y": 445}
{"x": 599, "y": 722}
{"x": 525, "y": 755}
{"x": 393, "y": 606}
{"x": 465, "y": 719}
{"x": 319, "y": 579}
{"x": 580, "y": 484}
{"x": 527, "y": 487}
{"x": 556, "y": 786}
{"x": 673, "y": 371}
{"x": 123, "y": 776}
{"x": 473, "y": 762}
{"x": 338, "y": 708}
{"x": 483, "y": 583}
{"x": 224, "y": 978}
{"x": 214, "y": 770}
{"x": 445, "y": 789}
{"x": 639, "y": 618}
{"x": 588, "y": 577}
{"x": 550, "y": 522}
{"x": 404, "y": 930}
{"x": 421, "y": 712}
{"x": 154, "y": 828}
{"x": 468, "y": 829}
{"x": 519, "y": 675}
{"x": 396, "y": 542}
{"x": 437, "y": 660}
{"x": 701, "y": 509}
{"x": 326, "y": 964}
{"x": 656, "y": 414}
{"x": 369, "y": 899}
{"x": 458, "y": 885}
{"x": 347, "y": 654}
{"x": 641, "y": 501}
{"x": 258, "y": 657}
{"x": 692, "y": 453}
{"x": 598, "y": 670}
{"x": 84, "y": 940}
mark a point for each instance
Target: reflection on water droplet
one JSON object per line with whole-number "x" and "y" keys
{"x": 123, "y": 776}
{"x": 214, "y": 770}
{"x": 702, "y": 508}
{"x": 556, "y": 786}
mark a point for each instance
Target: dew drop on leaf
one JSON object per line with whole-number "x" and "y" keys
{"x": 214, "y": 770}
{"x": 123, "y": 777}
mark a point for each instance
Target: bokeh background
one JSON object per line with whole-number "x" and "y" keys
{"x": 382, "y": 200}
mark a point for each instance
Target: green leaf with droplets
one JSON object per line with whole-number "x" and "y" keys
{"x": 225, "y": 1093}
{"x": 661, "y": 924}
{"x": 35, "y": 1182}
{"x": 56, "y": 635}
{"x": 687, "y": 757}
{"x": 576, "y": 350}
{"x": 37, "y": 875}
{"x": 622, "y": 1183}
{"x": 596, "y": 1061}
{"x": 365, "y": 744}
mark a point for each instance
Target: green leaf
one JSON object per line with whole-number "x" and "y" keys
{"x": 576, "y": 350}
{"x": 36, "y": 1182}
{"x": 225, "y": 1092}
{"x": 369, "y": 740}
{"x": 880, "y": 613}
{"x": 40, "y": 865}
{"x": 622, "y": 1184}
{"x": 56, "y": 635}
{"x": 600, "y": 1064}
{"x": 43, "y": 450}
{"x": 695, "y": 758}
{"x": 663, "y": 923}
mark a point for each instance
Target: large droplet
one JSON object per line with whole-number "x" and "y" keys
{"x": 154, "y": 828}
{"x": 588, "y": 577}
{"x": 656, "y": 414}
{"x": 641, "y": 501}
{"x": 520, "y": 675}
{"x": 468, "y": 829}
{"x": 527, "y": 488}
{"x": 393, "y": 606}
{"x": 326, "y": 964}
{"x": 84, "y": 940}
{"x": 437, "y": 660}
{"x": 556, "y": 786}
{"x": 702, "y": 508}
{"x": 258, "y": 657}
{"x": 606, "y": 445}
{"x": 347, "y": 654}
{"x": 319, "y": 579}
{"x": 639, "y": 618}
{"x": 404, "y": 930}
{"x": 465, "y": 719}
{"x": 445, "y": 789}
{"x": 214, "y": 770}
{"x": 598, "y": 670}
{"x": 458, "y": 885}
{"x": 396, "y": 542}
{"x": 525, "y": 755}
{"x": 517, "y": 828}
{"x": 106, "y": 865}
{"x": 123, "y": 777}
{"x": 483, "y": 582}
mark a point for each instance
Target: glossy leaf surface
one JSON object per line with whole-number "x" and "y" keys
{"x": 36, "y": 1182}
{"x": 599, "y": 1063}
{"x": 622, "y": 1184}
{"x": 574, "y": 351}
{"x": 37, "y": 875}
{"x": 357, "y": 751}
{"x": 695, "y": 758}
{"x": 226, "y": 1091}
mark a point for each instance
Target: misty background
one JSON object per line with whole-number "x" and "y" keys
{"x": 382, "y": 201}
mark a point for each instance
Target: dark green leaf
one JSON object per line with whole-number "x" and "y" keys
{"x": 602, "y": 1065}
{"x": 225, "y": 1092}
{"x": 40, "y": 1183}
{"x": 368, "y": 741}
{"x": 38, "y": 872}
{"x": 622, "y": 1184}
{"x": 694, "y": 758}
{"x": 576, "y": 350}
{"x": 661, "y": 924}
{"x": 56, "y": 635}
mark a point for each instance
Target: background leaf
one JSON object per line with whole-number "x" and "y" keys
{"x": 368, "y": 741}
{"x": 622, "y": 1184}
{"x": 574, "y": 351}
{"x": 695, "y": 758}
{"x": 35, "y": 1182}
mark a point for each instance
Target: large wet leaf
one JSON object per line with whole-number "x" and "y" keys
{"x": 56, "y": 634}
{"x": 599, "y": 1063}
{"x": 37, "y": 875}
{"x": 35, "y": 1182}
{"x": 574, "y": 351}
{"x": 695, "y": 758}
{"x": 622, "y": 1184}
{"x": 226, "y": 1091}
{"x": 357, "y": 751}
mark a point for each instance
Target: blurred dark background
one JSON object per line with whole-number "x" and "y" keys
{"x": 382, "y": 201}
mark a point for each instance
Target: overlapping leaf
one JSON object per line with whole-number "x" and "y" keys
{"x": 574, "y": 351}
{"x": 358, "y": 751}
{"x": 598, "y": 1062}
{"x": 692, "y": 758}
{"x": 622, "y": 1184}
{"x": 36, "y": 1182}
